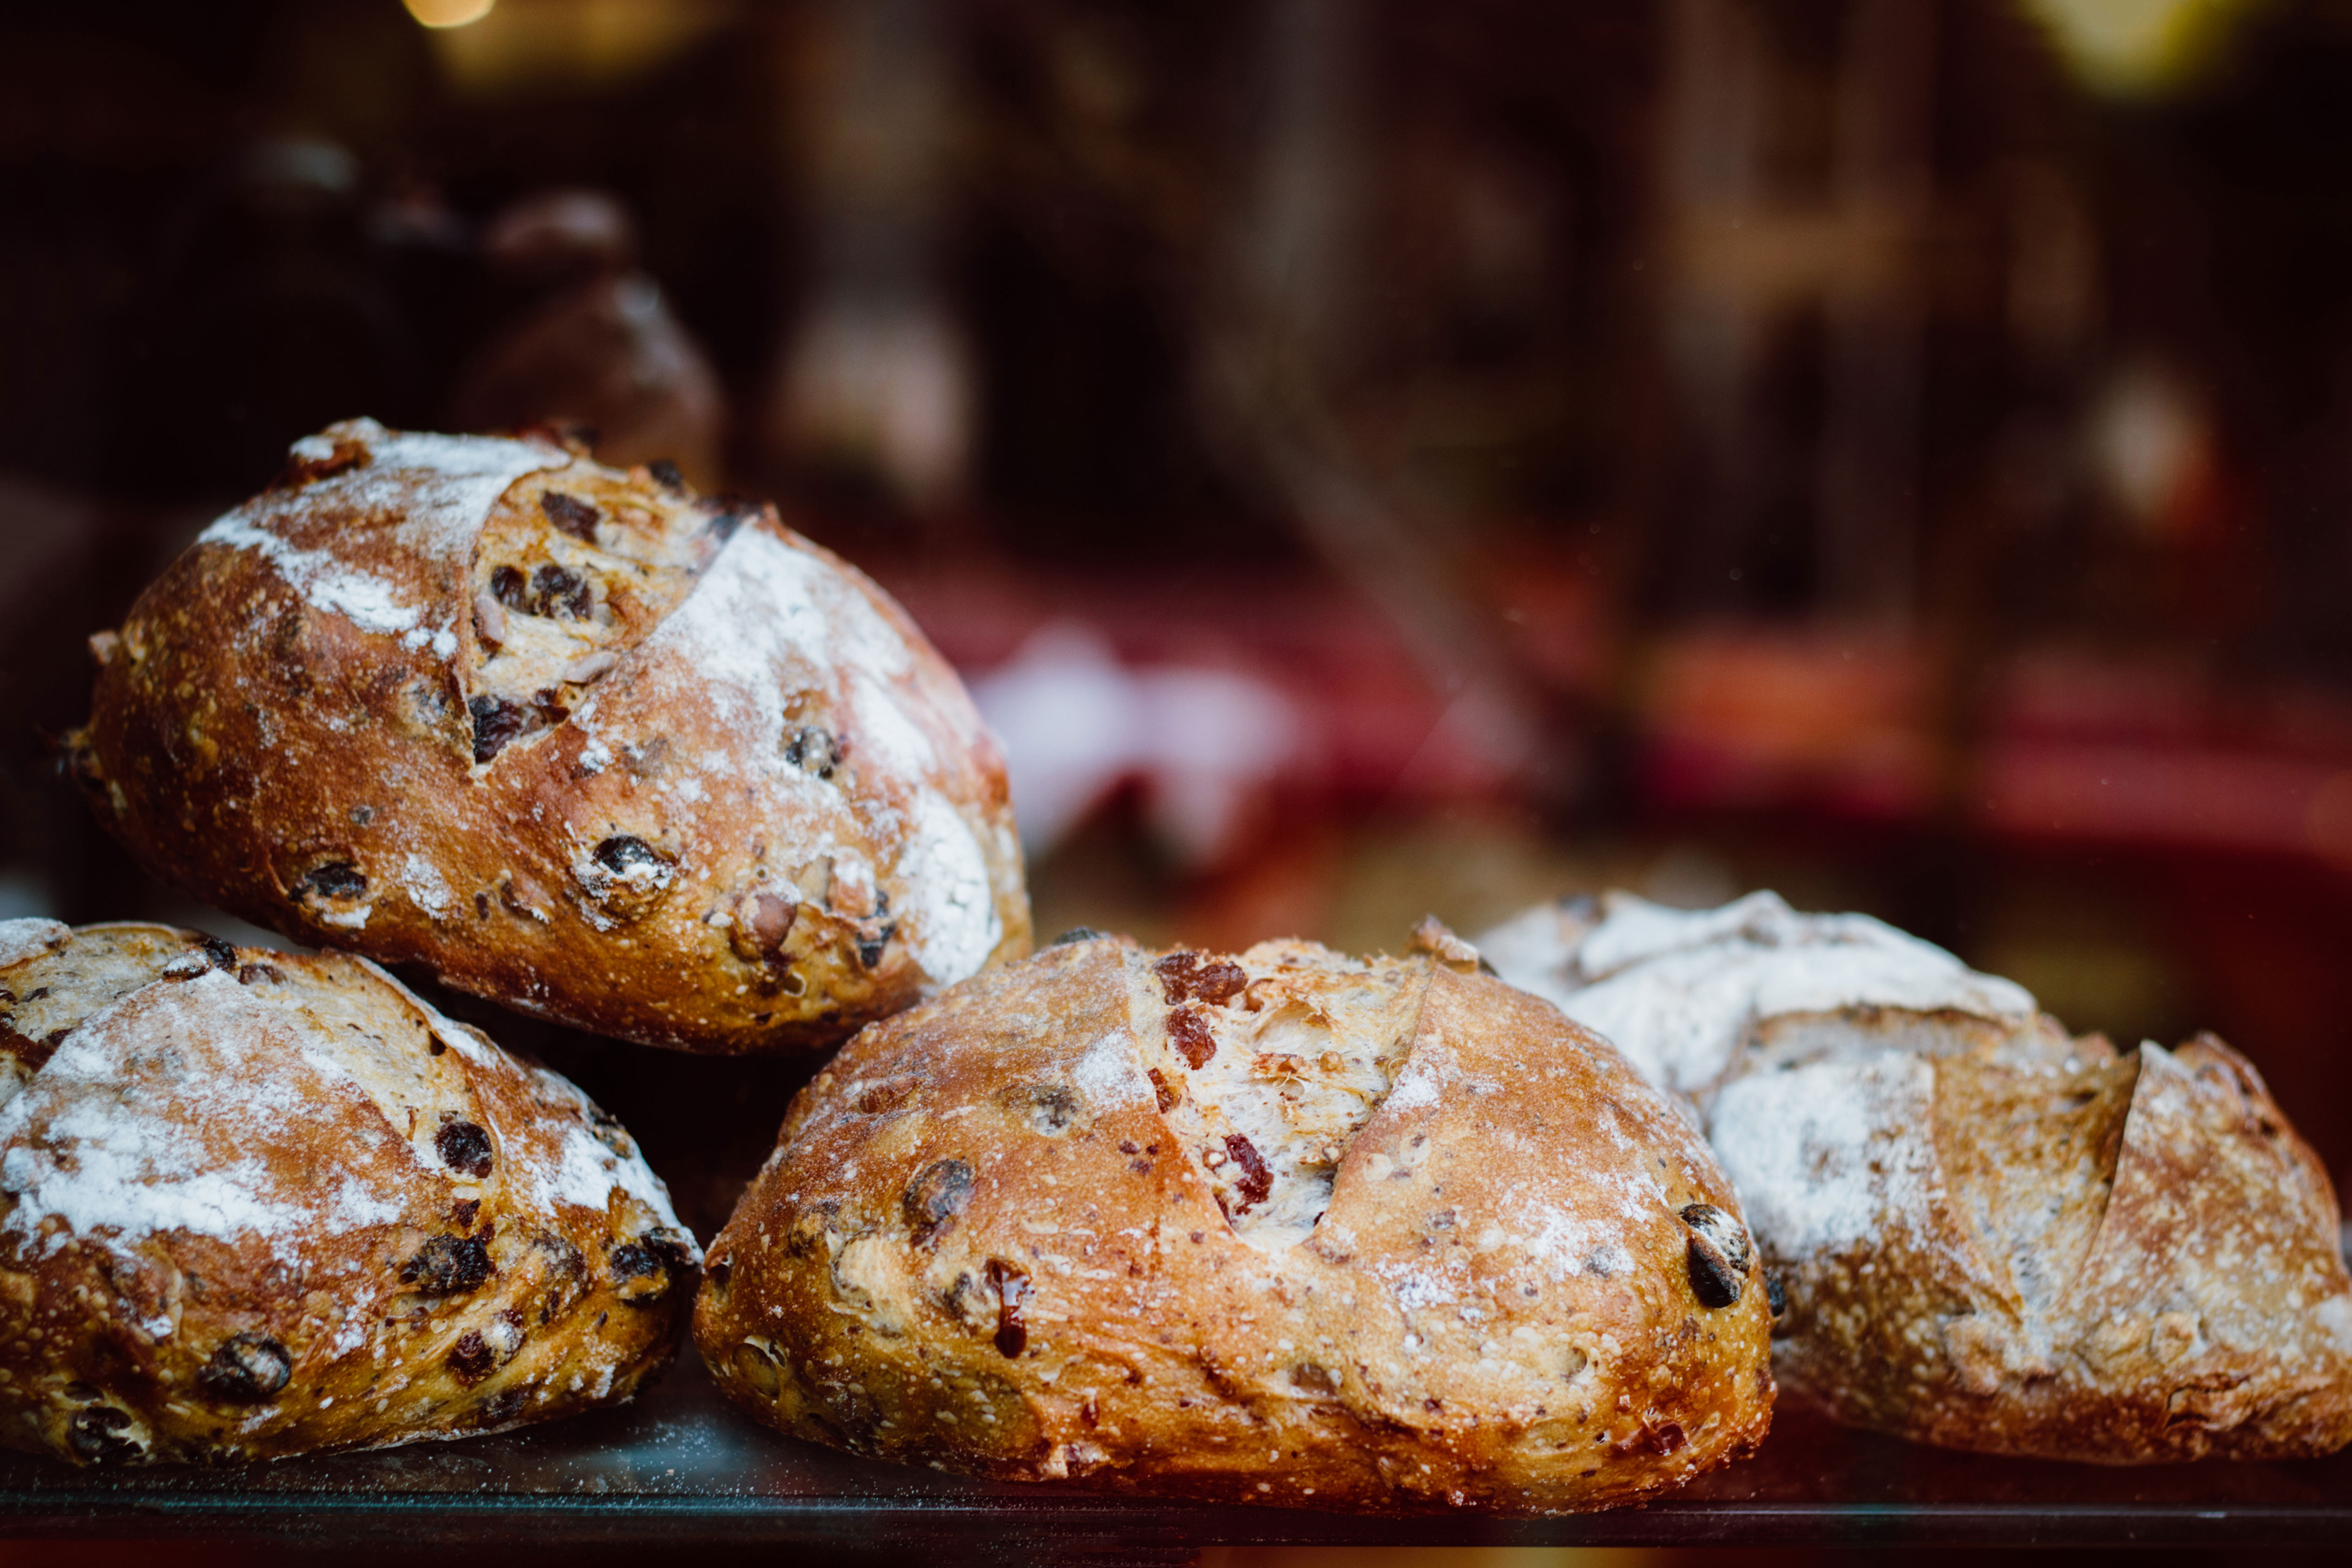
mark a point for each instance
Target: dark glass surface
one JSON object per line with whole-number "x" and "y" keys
{"x": 681, "y": 1465}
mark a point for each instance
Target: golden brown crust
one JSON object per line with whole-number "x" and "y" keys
{"x": 2128, "y": 1260}
{"x": 991, "y": 1240}
{"x": 254, "y": 1204}
{"x": 1993, "y": 1236}
{"x": 575, "y": 740}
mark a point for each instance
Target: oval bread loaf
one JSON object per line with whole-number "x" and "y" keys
{"x": 573, "y": 738}
{"x": 254, "y": 1204}
{"x": 1280, "y": 1228}
{"x": 1992, "y": 1237}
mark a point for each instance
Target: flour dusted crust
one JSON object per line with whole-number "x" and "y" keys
{"x": 1280, "y": 1228}
{"x": 1694, "y": 996}
{"x": 571, "y": 737}
{"x": 1992, "y": 1237}
{"x": 254, "y": 1204}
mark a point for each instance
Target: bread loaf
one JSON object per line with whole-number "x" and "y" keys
{"x": 1279, "y": 1228}
{"x": 254, "y": 1204}
{"x": 1991, "y": 1235}
{"x": 572, "y": 738}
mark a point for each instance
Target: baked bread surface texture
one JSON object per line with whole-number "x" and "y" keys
{"x": 1283, "y": 1227}
{"x": 571, "y": 738}
{"x": 256, "y": 1204}
{"x": 1992, "y": 1237}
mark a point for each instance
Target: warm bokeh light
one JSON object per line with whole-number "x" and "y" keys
{"x": 448, "y": 13}
{"x": 569, "y": 45}
{"x": 2135, "y": 47}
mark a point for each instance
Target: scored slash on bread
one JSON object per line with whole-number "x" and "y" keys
{"x": 255, "y": 1203}
{"x": 1993, "y": 1236}
{"x": 1280, "y": 1227}
{"x": 571, "y": 737}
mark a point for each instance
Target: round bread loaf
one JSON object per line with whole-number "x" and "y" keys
{"x": 254, "y": 1204}
{"x": 1280, "y": 1228}
{"x": 1992, "y": 1237}
{"x": 572, "y": 738}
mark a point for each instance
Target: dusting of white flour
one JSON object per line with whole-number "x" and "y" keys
{"x": 1108, "y": 1075}
{"x": 1828, "y": 1156}
{"x": 768, "y": 621}
{"x": 1680, "y": 992}
{"x": 427, "y": 494}
{"x": 157, "y": 1113}
{"x": 23, "y": 939}
{"x": 589, "y": 1172}
{"x": 956, "y": 923}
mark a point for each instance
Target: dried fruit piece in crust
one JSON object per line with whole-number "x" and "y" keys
{"x": 254, "y": 1204}
{"x": 575, "y": 740}
{"x": 1013, "y": 1232}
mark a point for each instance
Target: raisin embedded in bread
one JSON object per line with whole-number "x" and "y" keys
{"x": 254, "y": 1204}
{"x": 573, "y": 738}
{"x": 1280, "y": 1227}
{"x": 1991, "y": 1235}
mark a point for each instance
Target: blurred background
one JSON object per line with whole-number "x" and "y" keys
{"x": 1368, "y": 458}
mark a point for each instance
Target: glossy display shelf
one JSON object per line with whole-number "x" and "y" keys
{"x": 681, "y": 1467}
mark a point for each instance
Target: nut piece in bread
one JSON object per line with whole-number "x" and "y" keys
{"x": 254, "y": 1204}
{"x": 1277, "y": 1227}
{"x": 1992, "y": 1237}
{"x": 573, "y": 738}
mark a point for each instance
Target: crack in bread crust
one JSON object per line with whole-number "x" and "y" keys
{"x": 989, "y": 1240}
{"x": 256, "y": 1204}
{"x": 1304, "y": 1046}
{"x": 1993, "y": 1236}
{"x": 573, "y": 740}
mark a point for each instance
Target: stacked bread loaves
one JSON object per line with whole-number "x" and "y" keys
{"x": 569, "y": 737}
{"x": 1280, "y": 1227}
{"x": 572, "y": 738}
{"x": 1993, "y": 1236}
{"x": 1276, "y": 1227}
{"x": 255, "y": 1203}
